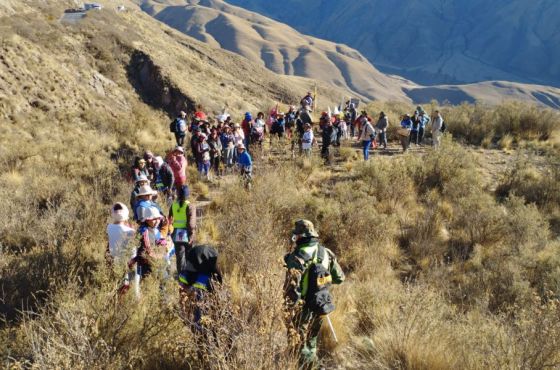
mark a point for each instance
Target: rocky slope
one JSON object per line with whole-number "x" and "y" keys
{"x": 437, "y": 41}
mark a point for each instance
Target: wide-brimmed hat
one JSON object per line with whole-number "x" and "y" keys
{"x": 158, "y": 160}
{"x": 179, "y": 148}
{"x": 119, "y": 212}
{"x": 141, "y": 178}
{"x": 305, "y": 228}
{"x": 152, "y": 213}
{"x": 145, "y": 190}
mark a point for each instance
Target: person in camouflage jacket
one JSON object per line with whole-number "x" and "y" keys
{"x": 304, "y": 324}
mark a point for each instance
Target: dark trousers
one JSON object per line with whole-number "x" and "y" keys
{"x": 420, "y": 135}
{"x": 413, "y": 137}
{"x": 181, "y": 250}
{"x": 180, "y": 139}
{"x": 383, "y": 139}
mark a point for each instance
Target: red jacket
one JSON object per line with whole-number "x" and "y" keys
{"x": 178, "y": 165}
{"x": 246, "y": 127}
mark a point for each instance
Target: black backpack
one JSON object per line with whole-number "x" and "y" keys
{"x": 318, "y": 299}
{"x": 443, "y": 127}
{"x": 173, "y": 125}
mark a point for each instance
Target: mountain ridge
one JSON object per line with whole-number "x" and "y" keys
{"x": 283, "y": 50}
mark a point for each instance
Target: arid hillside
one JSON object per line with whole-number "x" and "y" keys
{"x": 437, "y": 41}
{"x": 284, "y": 50}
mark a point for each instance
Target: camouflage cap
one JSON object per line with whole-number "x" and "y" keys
{"x": 305, "y": 228}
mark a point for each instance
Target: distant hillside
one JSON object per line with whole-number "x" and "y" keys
{"x": 284, "y": 50}
{"x": 276, "y": 46}
{"x": 436, "y": 41}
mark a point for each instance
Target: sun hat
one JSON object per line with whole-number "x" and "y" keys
{"x": 119, "y": 212}
{"x": 145, "y": 190}
{"x": 141, "y": 178}
{"x": 158, "y": 160}
{"x": 152, "y": 213}
{"x": 179, "y": 148}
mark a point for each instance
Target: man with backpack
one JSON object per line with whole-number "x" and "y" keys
{"x": 179, "y": 127}
{"x": 312, "y": 269}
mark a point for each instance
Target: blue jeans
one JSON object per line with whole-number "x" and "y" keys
{"x": 367, "y": 144}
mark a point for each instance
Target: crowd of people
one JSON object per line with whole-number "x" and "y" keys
{"x": 162, "y": 222}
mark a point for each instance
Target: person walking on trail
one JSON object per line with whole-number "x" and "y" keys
{"x": 178, "y": 163}
{"x": 228, "y": 146}
{"x": 182, "y": 215}
{"x": 215, "y": 145}
{"x": 238, "y": 138}
{"x": 437, "y": 129}
{"x": 163, "y": 177}
{"x": 381, "y": 126}
{"x": 415, "y": 128}
{"x": 312, "y": 268}
{"x": 246, "y": 126}
{"x": 141, "y": 181}
{"x": 307, "y": 141}
{"x": 244, "y": 160}
{"x": 203, "y": 157}
{"x": 139, "y": 169}
{"x": 179, "y": 128}
{"x": 423, "y": 121}
{"x": 367, "y": 136}
{"x": 199, "y": 276}
{"x": 144, "y": 201}
{"x": 278, "y": 127}
{"x": 290, "y": 119}
{"x": 258, "y": 130}
{"x": 307, "y": 101}
{"x": 405, "y": 132}
{"x": 119, "y": 234}
{"x": 300, "y": 131}
{"x": 327, "y": 131}
{"x": 351, "y": 115}
{"x": 338, "y": 129}
{"x": 153, "y": 246}
{"x": 149, "y": 158}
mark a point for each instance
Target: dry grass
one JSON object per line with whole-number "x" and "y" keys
{"x": 442, "y": 273}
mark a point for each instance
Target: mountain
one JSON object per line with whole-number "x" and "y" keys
{"x": 284, "y": 50}
{"x": 276, "y": 46}
{"x": 436, "y": 41}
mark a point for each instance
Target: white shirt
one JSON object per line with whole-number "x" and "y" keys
{"x": 119, "y": 237}
{"x": 307, "y": 139}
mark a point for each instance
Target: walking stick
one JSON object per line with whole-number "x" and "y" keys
{"x": 331, "y": 328}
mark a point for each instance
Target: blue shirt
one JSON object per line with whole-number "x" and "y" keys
{"x": 244, "y": 159}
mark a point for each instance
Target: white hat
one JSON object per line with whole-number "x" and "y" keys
{"x": 151, "y": 213}
{"x": 158, "y": 160}
{"x": 141, "y": 177}
{"x": 119, "y": 214}
{"x": 146, "y": 190}
{"x": 180, "y": 148}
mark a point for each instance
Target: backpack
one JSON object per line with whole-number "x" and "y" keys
{"x": 173, "y": 125}
{"x": 318, "y": 298}
{"x": 443, "y": 127}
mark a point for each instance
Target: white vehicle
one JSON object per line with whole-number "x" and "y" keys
{"x": 93, "y": 6}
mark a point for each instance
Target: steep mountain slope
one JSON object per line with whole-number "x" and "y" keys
{"x": 276, "y": 46}
{"x": 285, "y": 51}
{"x": 52, "y": 68}
{"x": 437, "y": 41}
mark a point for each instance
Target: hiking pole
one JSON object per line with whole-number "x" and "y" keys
{"x": 331, "y": 328}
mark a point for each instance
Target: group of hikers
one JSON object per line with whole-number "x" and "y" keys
{"x": 145, "y": 238}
